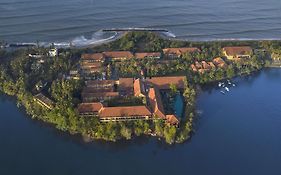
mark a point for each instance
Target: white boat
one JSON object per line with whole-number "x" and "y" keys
{"x": 222, "y": 92}
{"x": 219, "y": 84}
{"x": 233, "y": 85}
{"x": 227, "y": 89}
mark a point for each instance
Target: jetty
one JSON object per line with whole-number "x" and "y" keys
{"x": 134, "y": 29}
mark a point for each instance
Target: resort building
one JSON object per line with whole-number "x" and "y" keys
{"x": 219, "y": 62}
{"x": 124, "y": 113}
{"x": 44, "y": 101}
{"x": 118, "y": 55}
{"x": 106, "y": 114}
{"x": 139, "y": 88}
{"x": 125, "y": 86}
{"x": 94, "y": 57}
{"x": 92, "y": 63}
{"x": 148, "y": 55}
{"x": 178, "y": 52}
{"x": 97, "y": 91}
{"x": 165, "y": 82}
{"x": 91, "y": 67}
{"x": 204, "y": 66}
{"x": 237, "y": 53}
{"x": 89, "y": 109}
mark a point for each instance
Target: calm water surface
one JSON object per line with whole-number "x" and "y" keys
{"x": 237, "y": 133}
{"x": 78, "y": 20}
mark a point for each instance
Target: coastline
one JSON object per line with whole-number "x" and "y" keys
{"x": 26, "y": 97}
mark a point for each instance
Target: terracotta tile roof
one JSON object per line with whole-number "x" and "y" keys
{"x": 118, "y": 54}
{"x": 198, "y": 65}
{"x": 87, "y": 97}
{"x": 97, "y": 90}
{"x": 206, "y": 65}
{"x": 95, "y": 83}
{"x": 193, "y": 67}
{"x": 126, "y": 83}
{"x": 124, "y": 111}
{"x": 211, "y": 64}
{"x": 219, "y": 62}
{"x": 180, "y": 51}
{"x": 165, "y": 82}
{"x": 172, "y": 119}
{"x": 241, "y": 50}
{"x": 89, "y": 107}
{"x": 93, "y": 56}
{"x": 138, "y": 88}
{"x": 86, "y": 65}
{"x": 147, "y": 55}
{"x": 156, "y": 103}
{"x": 93, "y": 69}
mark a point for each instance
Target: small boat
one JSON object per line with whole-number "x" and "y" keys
{"x": 219, "y": 84}
{"x": 227, "y": 89}
{"x": 222, "y": 92}
{"x": 233, "y": 85}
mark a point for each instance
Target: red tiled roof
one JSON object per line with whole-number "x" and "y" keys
{"x": 193, "y": 67}
{"x": 124, "y": 111}
{"x": 241, "y": 50}
{"x": 198, "y": 65}
{"x": 89, "y": 107}
{"x": 206, "y": 65}
{"x": 118, "y": 54}
{"x": 97, "y": 90}
{"x": 219, "y": 62}
{"x": 91, "y": 65}
{"x": 126, "y": 83}
{"x": 89, "y": 96}
{"x": 172, "y": 119}
{"x": 138, "y": 87}
{"x": 94, "y": 83}
{"x": 211, "y": 64}
{"x": 93, "y": 56}
{"x": 156, "y": 102}
{"x": 147, "y": 54}
{"x": 165, "y": 82}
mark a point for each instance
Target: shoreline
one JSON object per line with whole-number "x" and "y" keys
{"x": 118, "y": 35}
{"x": 65, "y": 101}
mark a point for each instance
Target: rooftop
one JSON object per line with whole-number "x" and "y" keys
{"x": 156, "y": 102}
{"x": 165, "y": 82}
{"x": 118, "y": 54}
{"x": 93, "y": 56}
{"x": 147, "y": 54}
{"x": 240, "y": 50}
{"x": 125, "y": 111}
{"x": 89, "y": 107}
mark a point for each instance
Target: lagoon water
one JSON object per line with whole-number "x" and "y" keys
{"x": 79, "y": 20}
{"x": 236, "y": 133}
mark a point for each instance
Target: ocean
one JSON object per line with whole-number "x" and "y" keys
{"x": 80, "y": 21}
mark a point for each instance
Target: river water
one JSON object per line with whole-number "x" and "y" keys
{"x": 79, "y": 20}
{"x": 236, "y": 133}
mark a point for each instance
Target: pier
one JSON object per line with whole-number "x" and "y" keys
{"x": 134, "y": 29}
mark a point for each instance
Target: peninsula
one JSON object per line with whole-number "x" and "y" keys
{"x": 140, "y": 84}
